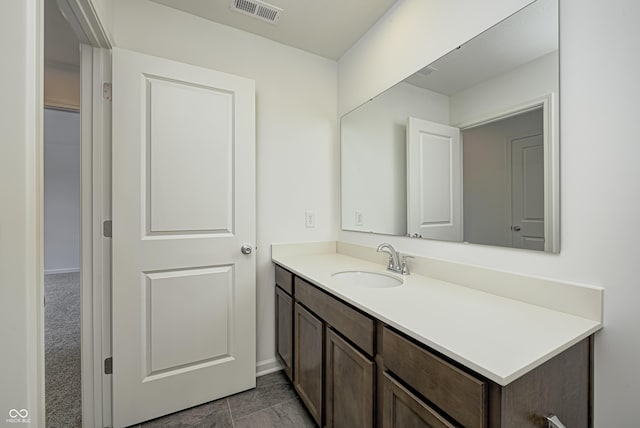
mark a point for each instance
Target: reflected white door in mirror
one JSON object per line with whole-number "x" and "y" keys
{"x": 434, "y": 181}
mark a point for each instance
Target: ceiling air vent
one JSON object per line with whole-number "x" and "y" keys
{"x": 258, "y": 9}
{"x": 427, "y": 71}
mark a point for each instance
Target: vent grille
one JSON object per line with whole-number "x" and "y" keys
{"x": 427, "y": 70}
{"x": 258, "y": 9}
{"x": 246, "y": 6}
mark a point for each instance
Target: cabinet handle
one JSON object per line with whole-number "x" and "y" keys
{"x": 554, "y": 422}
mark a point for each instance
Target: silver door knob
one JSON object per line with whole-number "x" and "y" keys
{"x": 515, "y": 228}
{"x": 246, "y": 249}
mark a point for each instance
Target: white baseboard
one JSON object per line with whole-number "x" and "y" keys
{"x": 54, "y": 271}
{"x": 265, "y": 367}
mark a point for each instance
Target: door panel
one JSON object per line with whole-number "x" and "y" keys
{"x": 527, "y": 175}
{"x": 189, "y": 150}
{"x": 434, "y": 183}
{"x": 187, "y": 318}
{"x": 183, "y": 205}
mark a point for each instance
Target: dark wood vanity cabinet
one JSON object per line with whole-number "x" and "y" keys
{"x": 353, "y": 371}
{"x": 346, "y": 384}
{"x": 424, "y": 389}
{"x": 333, "y": 350}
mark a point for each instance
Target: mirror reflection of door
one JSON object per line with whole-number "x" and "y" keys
{"x": 434, "y": 190}
{"x": 527, "y": 192}
{"x": 503, "y": 176}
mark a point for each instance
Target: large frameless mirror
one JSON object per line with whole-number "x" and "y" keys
{"x": 465, "y": 149}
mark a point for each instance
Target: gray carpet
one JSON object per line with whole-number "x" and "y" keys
{"x": 62, "y": 349}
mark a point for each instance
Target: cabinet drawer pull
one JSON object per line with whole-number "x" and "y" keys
{"x": 554, "y": 422}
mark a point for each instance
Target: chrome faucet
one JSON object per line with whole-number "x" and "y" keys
{"x": 397, "y": 263}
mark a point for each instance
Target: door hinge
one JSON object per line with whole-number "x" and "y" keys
{"x": 106, "y": 91}
{"x": 108, "y": 365}
{"x": 107, "y": 230}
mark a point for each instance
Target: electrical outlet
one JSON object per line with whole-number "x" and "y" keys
{"x": 359, "y": 218}
{"x": 309, "y": 219}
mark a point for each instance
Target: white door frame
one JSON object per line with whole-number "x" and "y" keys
{"x": 95, "y": 248}
{"x": 95, "y": 251}
{"x": 551, "y": 159}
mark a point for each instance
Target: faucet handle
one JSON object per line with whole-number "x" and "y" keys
{"x": 390, "y": 263}
{"x": 404, "y": 265}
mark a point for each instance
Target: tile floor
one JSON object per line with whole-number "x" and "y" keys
{"x": 272, "y": 404}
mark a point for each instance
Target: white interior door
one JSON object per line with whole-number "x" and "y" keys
{"x": 183, "y": 205}
{"x": 527, "y": 197}
{"x": 434, "y": 180}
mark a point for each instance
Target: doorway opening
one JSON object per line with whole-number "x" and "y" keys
{"x": 504, "y": 181}
{"x": 62, "y": 221}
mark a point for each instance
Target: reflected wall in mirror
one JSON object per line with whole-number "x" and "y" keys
{"x": 465, "y": 149}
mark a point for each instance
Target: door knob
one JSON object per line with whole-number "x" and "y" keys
{"x": 246, "y": 249}
{"x": 516, "y": 228}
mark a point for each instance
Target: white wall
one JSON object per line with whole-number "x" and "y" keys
{"x": 61, "y": 191}
{"x": 599, "y": 161}
{"x": 105, "y": 12}
{"x": 528, "y": 82}
{"x": 21, "y": 326}
{"x": 486, "y": 159}
{"x": 296, "y": 130}
{"x": 412, "y": 34}
{"x": 374, "y": 156}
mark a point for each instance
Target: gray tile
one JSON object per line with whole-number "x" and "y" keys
{"x": 271, "y": 389}
{"x": 276, "y": 378}
{"x": 214, "y": 414}
{"x": 290, "y": 414}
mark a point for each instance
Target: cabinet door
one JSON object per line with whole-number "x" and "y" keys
{"x": 349, "y": 385}
{"x": 402, "y": 409}
{"x": 284, "y": 331}
{"x": 307, "y": 378}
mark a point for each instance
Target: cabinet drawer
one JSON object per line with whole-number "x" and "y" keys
{"x": 400, "y": 408}
{"x": 350, "y": 323}
{"x": 284, "y": 279}
{"x": 460, "y": 395}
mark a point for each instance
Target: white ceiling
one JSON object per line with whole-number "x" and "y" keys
{"x": 60, "y": 43}
{"x": 324, "y": 27}
{"x": 521, "y": 38}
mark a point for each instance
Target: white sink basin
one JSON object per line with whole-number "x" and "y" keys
{"x": 357, "y": 278}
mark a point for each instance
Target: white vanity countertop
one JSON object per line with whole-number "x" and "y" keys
{"x": 497, "y": 337}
